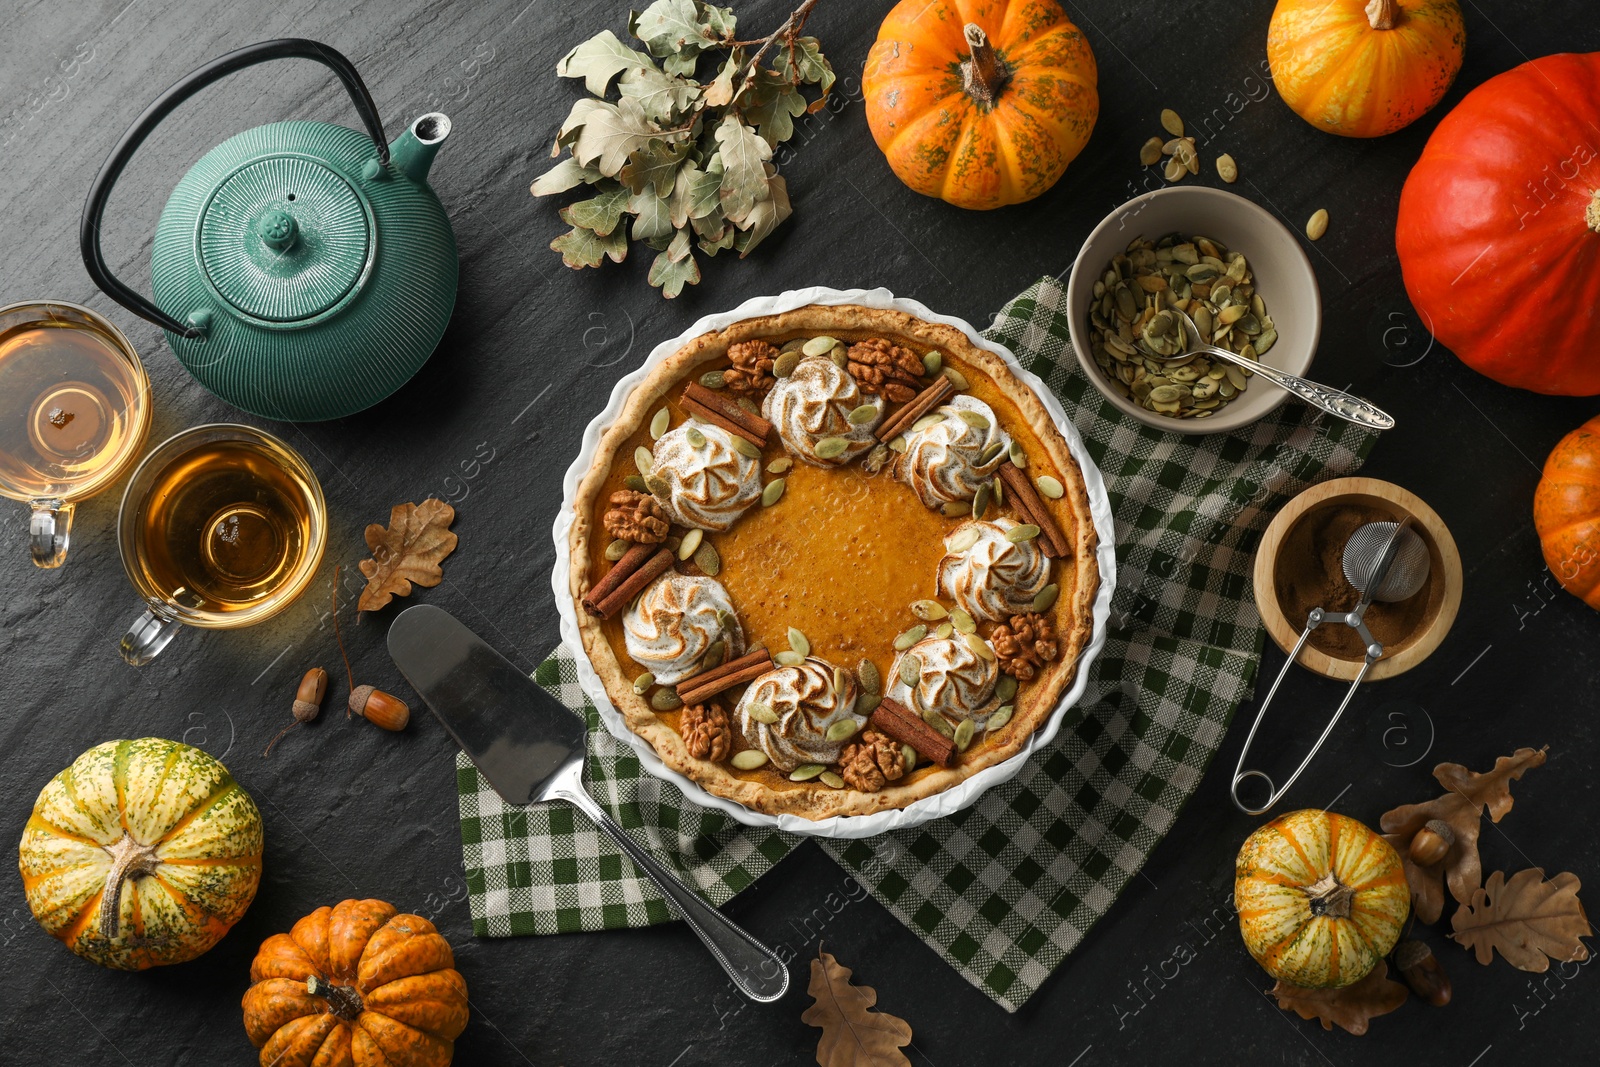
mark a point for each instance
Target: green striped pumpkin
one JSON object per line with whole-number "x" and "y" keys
{"x": 1321, "y": 898}
{"x": 141, "y": 853}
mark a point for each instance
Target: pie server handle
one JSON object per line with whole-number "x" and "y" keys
{"x": 755, "y": 969}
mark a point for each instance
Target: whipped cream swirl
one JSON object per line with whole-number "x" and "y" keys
{"x": 806, "y": 705}
{"x": 706, "y": 486}
{"x": 675, "y": 622}
{"x": 952, "y": 680}
{"x": 815, "y": 403}
{"x": 992, "y": 578}
{"x": 945, "y": 462}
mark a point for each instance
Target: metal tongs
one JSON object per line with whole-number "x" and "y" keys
{"x": 1379, "y": 544}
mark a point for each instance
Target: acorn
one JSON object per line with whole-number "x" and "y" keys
{"x": 1423, "y": 972}
{"x": 307, "y": 703}
{"x": 1432, "y": 843}
{"x": 379, "y": 708}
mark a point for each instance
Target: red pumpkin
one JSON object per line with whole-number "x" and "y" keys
{"x": 1499, "y": 228}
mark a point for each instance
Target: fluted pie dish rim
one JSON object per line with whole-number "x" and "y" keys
{"x": 814, "y": 807}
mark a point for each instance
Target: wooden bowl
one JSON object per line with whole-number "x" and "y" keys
{"x": 1442, "y": 592}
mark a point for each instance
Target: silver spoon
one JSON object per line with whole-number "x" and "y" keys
{"x": 1333, "y": 401}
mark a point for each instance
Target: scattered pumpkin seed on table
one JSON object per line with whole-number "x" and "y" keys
{"x": 1227, "y": 169}
{"x": 1318, "y": 224}
{"x": 1171, "y": 122}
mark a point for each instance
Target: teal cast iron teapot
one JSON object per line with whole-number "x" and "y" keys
{"x": 301, "y": 270}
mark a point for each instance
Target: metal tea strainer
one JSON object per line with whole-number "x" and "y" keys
{"x": 1384, "y": 561}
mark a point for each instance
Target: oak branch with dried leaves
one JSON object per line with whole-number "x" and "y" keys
{"x": 675, "y": 163}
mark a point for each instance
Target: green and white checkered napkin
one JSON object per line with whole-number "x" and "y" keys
{"x": 1005, "y": 889}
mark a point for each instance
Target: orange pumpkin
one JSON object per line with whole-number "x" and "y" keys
{"x": 982, "y": 103}
{"x": 1566, "y": 512}
{"x": 1364, "y": 68}
{"x": 356, "y": 985}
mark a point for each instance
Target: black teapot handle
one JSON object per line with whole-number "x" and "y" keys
{"x": 100, "y": 192}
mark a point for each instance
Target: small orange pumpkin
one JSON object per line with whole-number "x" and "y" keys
{"x": 1364, "y": 68}
{"x": 356, "y": 985}
{"x": 981, "y": 103}
{"x": 1566, "y": 512}
{"x": 1321, "y": 898}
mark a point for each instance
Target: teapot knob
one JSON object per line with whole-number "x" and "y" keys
{"x": 277, "y": 229}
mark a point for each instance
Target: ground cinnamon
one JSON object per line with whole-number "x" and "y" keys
{"x": 1310, "y": 574}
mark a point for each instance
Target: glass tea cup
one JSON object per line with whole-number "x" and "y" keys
{"x": 222, "y": 526}
{"x": 74, "y": 412}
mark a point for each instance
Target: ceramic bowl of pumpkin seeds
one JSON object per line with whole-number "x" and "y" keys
{"x": 1232, "y": 268}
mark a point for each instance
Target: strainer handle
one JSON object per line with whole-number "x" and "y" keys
{"x": 1275, "y": 792}
{"x": 100, "y": 192}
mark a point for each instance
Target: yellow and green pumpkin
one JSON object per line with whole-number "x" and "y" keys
{"x": 142, "y": 853}
{"x": 1321, "y": 898}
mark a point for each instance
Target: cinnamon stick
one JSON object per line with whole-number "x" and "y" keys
{"x": 1022, "y": 495}
{"x": 718, "y": 419}
{"x": 724, "y": 406}
{"x": 924, "y": 402}
{"x": 709, "y": 683}
{"x": 631, "y": 561}
{"x": 628, "y": 587}
{"x": 904, "y": 725}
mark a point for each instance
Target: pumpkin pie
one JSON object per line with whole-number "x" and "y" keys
{"x": 833, "y": 561}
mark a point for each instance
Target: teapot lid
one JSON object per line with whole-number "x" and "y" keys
{"x": 284, "y": 238}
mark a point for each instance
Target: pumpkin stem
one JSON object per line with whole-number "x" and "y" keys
{"x": 1330, "y": 898}
{"x": 1383, "y": 14}
{"x": 343, "y": 1000}
{"x": 982, "y": 74}
{"x": 1592, "y": 215}
{"x": 129, "y": 859}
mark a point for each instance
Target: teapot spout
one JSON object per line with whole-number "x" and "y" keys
{"x": 413, "y": 151}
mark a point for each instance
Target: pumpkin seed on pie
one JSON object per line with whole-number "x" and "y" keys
{"x": 944, "y": 631}
{"x": 956, "y": 378}
{"x": 691, "y": 542}
{"x": 963, "y": 735}
{"x": 1051, "y": 487}
{"x": 977, "y": 420}
{"x": 933, "y": 418}
{"x": 963, "y": 622}
{"x": 644, "y": 459}
{"x": 933, "y": 362}
{"x": 911, "y": 667}
{"x": 844, "y": 728}
{"x": 745, "y": 447}
{"x": 831, "y": 780}
{"x": 818, "y": 346}
{"x": 1019, "y": 457}
{"x": 770, "y": 495}
{"x": 979, "y": 646}
{"x": 749, "y": 759}
{"x": 870, "y": 678}
{"x": 660, "y": 423}
{"x": 1026, "y": 532}
{"x": 909, "y": 638}
{"x": 665, "y": 700}
{"x": 798, "y": 642}
{"x": 862, "y": 415}
{"x": 713, "y": 379}
{"x": 643, "y": 682}
{"x": 1005, "y": 688}
{"x": 806, "y": 771}
{"x": 1045, "y": 598}
{"x": 788, "y": 658}
{"x": 784, "y": 365}
{"x": 928, "y": 610}
{"x": 999, "y": 718}
{"x": 779, "y": 465}
{"x": 617, "y": 549}
{"x": 831, "y": 447}
{"x": 706, "y": 558}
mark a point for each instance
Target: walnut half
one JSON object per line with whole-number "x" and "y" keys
{"x": 636, "y": 517}
{"x": 1025, "y": 644}
{"x": 707, "y": 732}
{"x": 872, "y": 762}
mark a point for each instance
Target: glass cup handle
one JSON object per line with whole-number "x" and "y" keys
{"x": 145, "y": 639}
{"x": 49, "y": 530}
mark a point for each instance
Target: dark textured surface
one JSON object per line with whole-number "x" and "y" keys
{"x": 531, "y": 353}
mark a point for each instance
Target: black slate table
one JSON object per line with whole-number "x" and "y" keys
{"x": 532, "y": 351}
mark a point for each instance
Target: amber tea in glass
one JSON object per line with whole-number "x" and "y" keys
{"x": 74, "y": 410}
{"x": 222, "y": 526}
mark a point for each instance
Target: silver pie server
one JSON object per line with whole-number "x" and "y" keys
{"x": 1334, "y": 401}
{"x": 531, "y": 748}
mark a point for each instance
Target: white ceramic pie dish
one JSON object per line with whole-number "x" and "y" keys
{"x": 847, "y": 826}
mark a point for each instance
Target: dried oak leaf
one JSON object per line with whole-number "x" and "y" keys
{"x": 1470, "y": 792}
{"x": 1529, "y": 920}
{"x": 1352, "y": 1007}
{"x": 408, "y": 552}
{"x": 853, "y": 1035}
